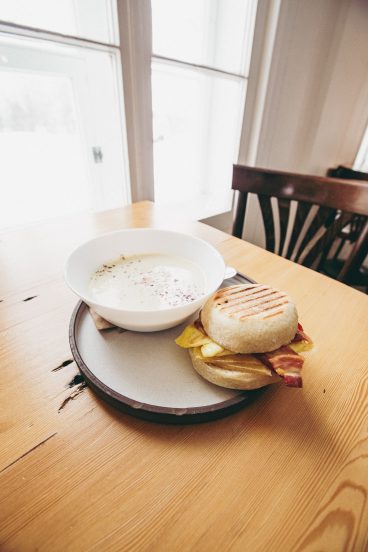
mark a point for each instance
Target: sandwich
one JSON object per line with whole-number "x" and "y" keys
{"x": 247, "y": 336}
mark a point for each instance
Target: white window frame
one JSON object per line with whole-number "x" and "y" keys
{"x": 13, "y": 29}
{"x": 248, "y": 37}
{"x": 135, "y": 28}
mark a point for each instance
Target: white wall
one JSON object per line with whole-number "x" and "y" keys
{"x": 315, "y": 108}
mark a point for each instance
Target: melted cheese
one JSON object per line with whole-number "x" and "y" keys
{"x": 193, "y": 337}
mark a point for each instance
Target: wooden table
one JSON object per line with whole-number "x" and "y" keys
{"x": 288, "y": 472}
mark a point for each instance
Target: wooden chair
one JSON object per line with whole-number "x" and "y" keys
{"x": 324, "y": 206}
{"x": 351, "y": 232}
{"x": 346, "y": 173}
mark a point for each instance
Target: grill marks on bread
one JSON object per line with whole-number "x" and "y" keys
{"x": 250, "y": 300}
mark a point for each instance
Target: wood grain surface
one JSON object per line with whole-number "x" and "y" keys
{"x": 287, "y": 473}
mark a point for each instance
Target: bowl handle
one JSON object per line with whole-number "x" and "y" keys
{"x": 229, "y": 272}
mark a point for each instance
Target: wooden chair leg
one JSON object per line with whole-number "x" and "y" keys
{"x": 338, "y": 250}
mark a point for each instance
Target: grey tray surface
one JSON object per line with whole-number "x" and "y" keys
{"x": 146, "y": 374}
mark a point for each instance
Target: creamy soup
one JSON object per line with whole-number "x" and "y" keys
{"x": 146, "y": 282}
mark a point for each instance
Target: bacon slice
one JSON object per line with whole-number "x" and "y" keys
{"x": 286, "y": 363}
{"x": 301, "y": 336}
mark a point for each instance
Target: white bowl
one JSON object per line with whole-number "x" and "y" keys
{"x": 85, "y": 260}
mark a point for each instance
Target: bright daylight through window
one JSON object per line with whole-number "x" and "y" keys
{"x": 62, "y": 129}
{"x": 200, "y": 65}
{"x": 361, "y": 161}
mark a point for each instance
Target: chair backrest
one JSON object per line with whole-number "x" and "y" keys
{"x": 324, "y": 206}
{"x": 346, "y": 173}
{"x": 357, "y": 234}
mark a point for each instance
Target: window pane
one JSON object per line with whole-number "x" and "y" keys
{"x": 43, "y": 165}
{"x": 361, "y": 161}
{"x": 215, "y": 33}
{"x": 91, "y": 19}
{"x": 197, "y": 118}
{"x": 62, "y": 133}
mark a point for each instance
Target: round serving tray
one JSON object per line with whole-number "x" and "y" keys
{"x": 146, "y": 374}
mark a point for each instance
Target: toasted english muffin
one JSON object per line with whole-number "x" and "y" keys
{"x": 250, "y": 318}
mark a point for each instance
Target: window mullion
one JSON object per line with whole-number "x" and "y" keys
{"x": 52, "y": 36}
{"x": 187, "y": 64}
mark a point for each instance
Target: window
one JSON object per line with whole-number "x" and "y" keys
{"x": 62, "y": 130}
{"x": 200, "y": 64}
{"x": 91, "y": 19}
{"x": 361, "y": 161}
